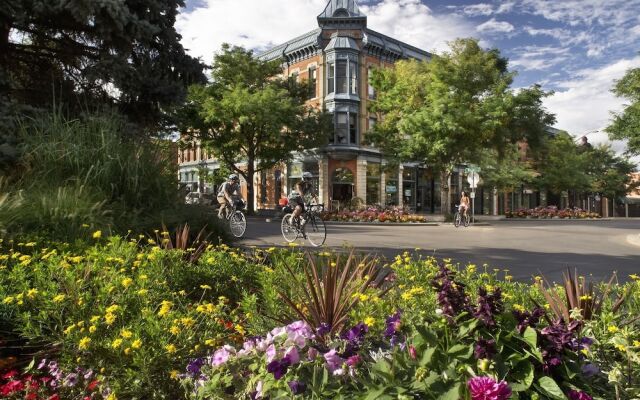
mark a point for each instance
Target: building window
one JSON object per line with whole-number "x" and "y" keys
{"x": 263, "y": 187}
{"x": 372, "y": 123}
{"x": 331, "y": 77}
{"x": 353, "y": 76}
{"x": 342, "y": 78}
{"x": 346, "y": 128}
{"x": 313, "y": 80}
{"x": 373, "y": 184}
{"x": 371, "y": 90}
{"x": 277, "y": 177}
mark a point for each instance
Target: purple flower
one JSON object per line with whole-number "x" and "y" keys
{"x": 589, "y": 370}
{"x": 88, "y": 374}
{"x": 297, "y": 387}
{"x": 194, "y": 366}
{"x": 451, "y": 295}
{"x": 486, "y": 388}
{"x": 271, "y": 353}
{"x": 332, "y": 360}
{"x": 484, "y": 349}
{"x": 393, "y": 325}
{"x": 576, "y": 395}
{"x": 323, "y": 329}
{"x": 353, "y": 360}
{"x": 555, "y": 339}
{"x": 221, "y": 356}
{"x": 527, "y": 318}
{"x": 356, "y": 334}
{"x": 489, "y": 305}
{"x": 71, "y": 380}
{"x": 312, "y": 353}
{"x": 43, "y": 363}
{"x": 292, "y": 355}
{"x": 278, "y": 367}
{"x": 301, "y": 328}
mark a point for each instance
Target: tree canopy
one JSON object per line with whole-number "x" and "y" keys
{"x": 83, "y": 53}
{"x": 448, "y": 110}
{"x": 626, "y": 125}
{"x": 250, "y": 116}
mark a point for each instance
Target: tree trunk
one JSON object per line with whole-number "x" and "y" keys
{"x": 251, "y": 170}
{"x": 445, "y": 198}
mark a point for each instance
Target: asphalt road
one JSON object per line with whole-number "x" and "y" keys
{"x": 526, "y": 248}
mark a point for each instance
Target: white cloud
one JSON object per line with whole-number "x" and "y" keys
{"x": 584, "y": 104}
{"x": 557, "y": 33}
{"x": 478, "y": 9}
{"x": 260, "y": 24}
{"x": 505, "y": 7}
{"x": 413, "y": 22}
{"x": 539, "y": 57}
{"x": 493, "y": 26}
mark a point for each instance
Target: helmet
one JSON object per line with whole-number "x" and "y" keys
{"x": 306, "y": 175}
{"x": 234, "y": 177}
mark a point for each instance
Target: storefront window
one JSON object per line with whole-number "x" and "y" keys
{"x": 373, "y": 184}
{"x": 296, "y": 170}
{"x": 408, "y": 187}
{"x": 391, "y": 187}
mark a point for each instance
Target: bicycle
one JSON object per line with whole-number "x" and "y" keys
{"x": 236, "y": 219}
{"x": 460, "y": 218}
{"x": 314, "y": 228}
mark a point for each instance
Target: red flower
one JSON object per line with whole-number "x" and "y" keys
{"x": 54, "y": 397}
{"x": 11, "y": 387}
{"x": 31, "y": 396}
{"x": 10, "y": 374}
{"x": 93, "y": 385}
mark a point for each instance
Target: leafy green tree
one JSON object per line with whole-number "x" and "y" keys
{"x": 563, "y": 166}
{"x": 626, "y": 125}
{"x": 124, "y": 53}
{"x": 446, "y": 111}
{"x": 251, "y": 117}
{"x": 610, "y": 174}
{"x": 508, "y": 171}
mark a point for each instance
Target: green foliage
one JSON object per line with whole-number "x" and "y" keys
{"x": 564, "y": 166}
{"x": 248, "y": 113}
{"x": 507, "y": 172}
{"x": 121, "y": 53}
{"x": 445, "y": 111}
{"x": 610, "y": 174}
{"x": 626, "y": 125}
{"x": 88, "y": 173}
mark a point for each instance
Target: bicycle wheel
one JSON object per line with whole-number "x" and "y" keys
{"x": 238, "y": 224}
{"x": 456, "y": 219}
{"x": 289, "y": 231}
{"x": 466, "y": 221}
{"x": 316, "y": 231}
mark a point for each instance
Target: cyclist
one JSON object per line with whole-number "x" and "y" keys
{"x": 464, "y": 204}
{"x": 226, "y": 194}
{"x": 304, "y": 191}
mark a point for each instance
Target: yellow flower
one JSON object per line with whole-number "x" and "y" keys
{"x": 210, "y": 342}
{"x": 636, "y": 343}
{"x": 126, "y": 334}
{"x": 69, "y": 329}
{"x": 518, "y": 307}
{"x": 634, "y": 277}
{"x": 240, "y": 329}
{"x": 585, "y": 297}
{"x": 621, "y": 347}
{"x": 59, "y": 298}
{"x": 165, "y": 308}
{"x": 112, "y": 308}
{"x": 174, "y": 374}
{"x": 174, "y": 330}
{"x": 136, "y": 344}
{"x": 508, "y": 278}
{"x": 170, "y": 348}
{"x": 369, "y": 321}
{"x": 612, "y": 329}
{"x": 142, "y": 292}
{"x": 127, "y": 351}
{"x": 333, "y": 264}
{"x": 116, "y": 343}
{"x": 84, "y": 343}
{"x": 92, "y": 329}
{"x": 95, "y": 318}
{"x": 32, "y": 293}
{"x": 8, "y": 300}
{"x": 112, "y": 396}
{"x": 97, "y": 234}
{"x": 205, "y": 287}
{"x": 187, "y": 322}
{"x": 363, "y": 297}
{"x": 126, "y": 282}
{"x": 109, "y": 318}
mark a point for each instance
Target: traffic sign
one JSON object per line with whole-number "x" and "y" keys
{"x": 473, "y": 179}
{"x": 473, "y": 195}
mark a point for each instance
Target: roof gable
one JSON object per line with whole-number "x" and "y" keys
{"x": 341, "y": 9}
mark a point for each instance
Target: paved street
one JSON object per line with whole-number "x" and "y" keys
{"x": 526, "y": 248}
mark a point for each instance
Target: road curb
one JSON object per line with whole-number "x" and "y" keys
{"x": 382, "y": 223}
{"x": 634, "y": 239}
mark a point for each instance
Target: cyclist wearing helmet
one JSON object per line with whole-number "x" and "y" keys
{"x": 303, "y": 192}
{"x": 227, "y": 191}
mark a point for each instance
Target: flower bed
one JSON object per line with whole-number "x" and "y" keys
{"x": 124, "y": 318}
{"x": 551, "y": 212}
{"x": 373, "y": 214}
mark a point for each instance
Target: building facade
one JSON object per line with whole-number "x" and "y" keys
{"x": 336, "y": 59}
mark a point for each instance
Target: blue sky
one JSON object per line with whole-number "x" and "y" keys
{"x": 577, "y": 48}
